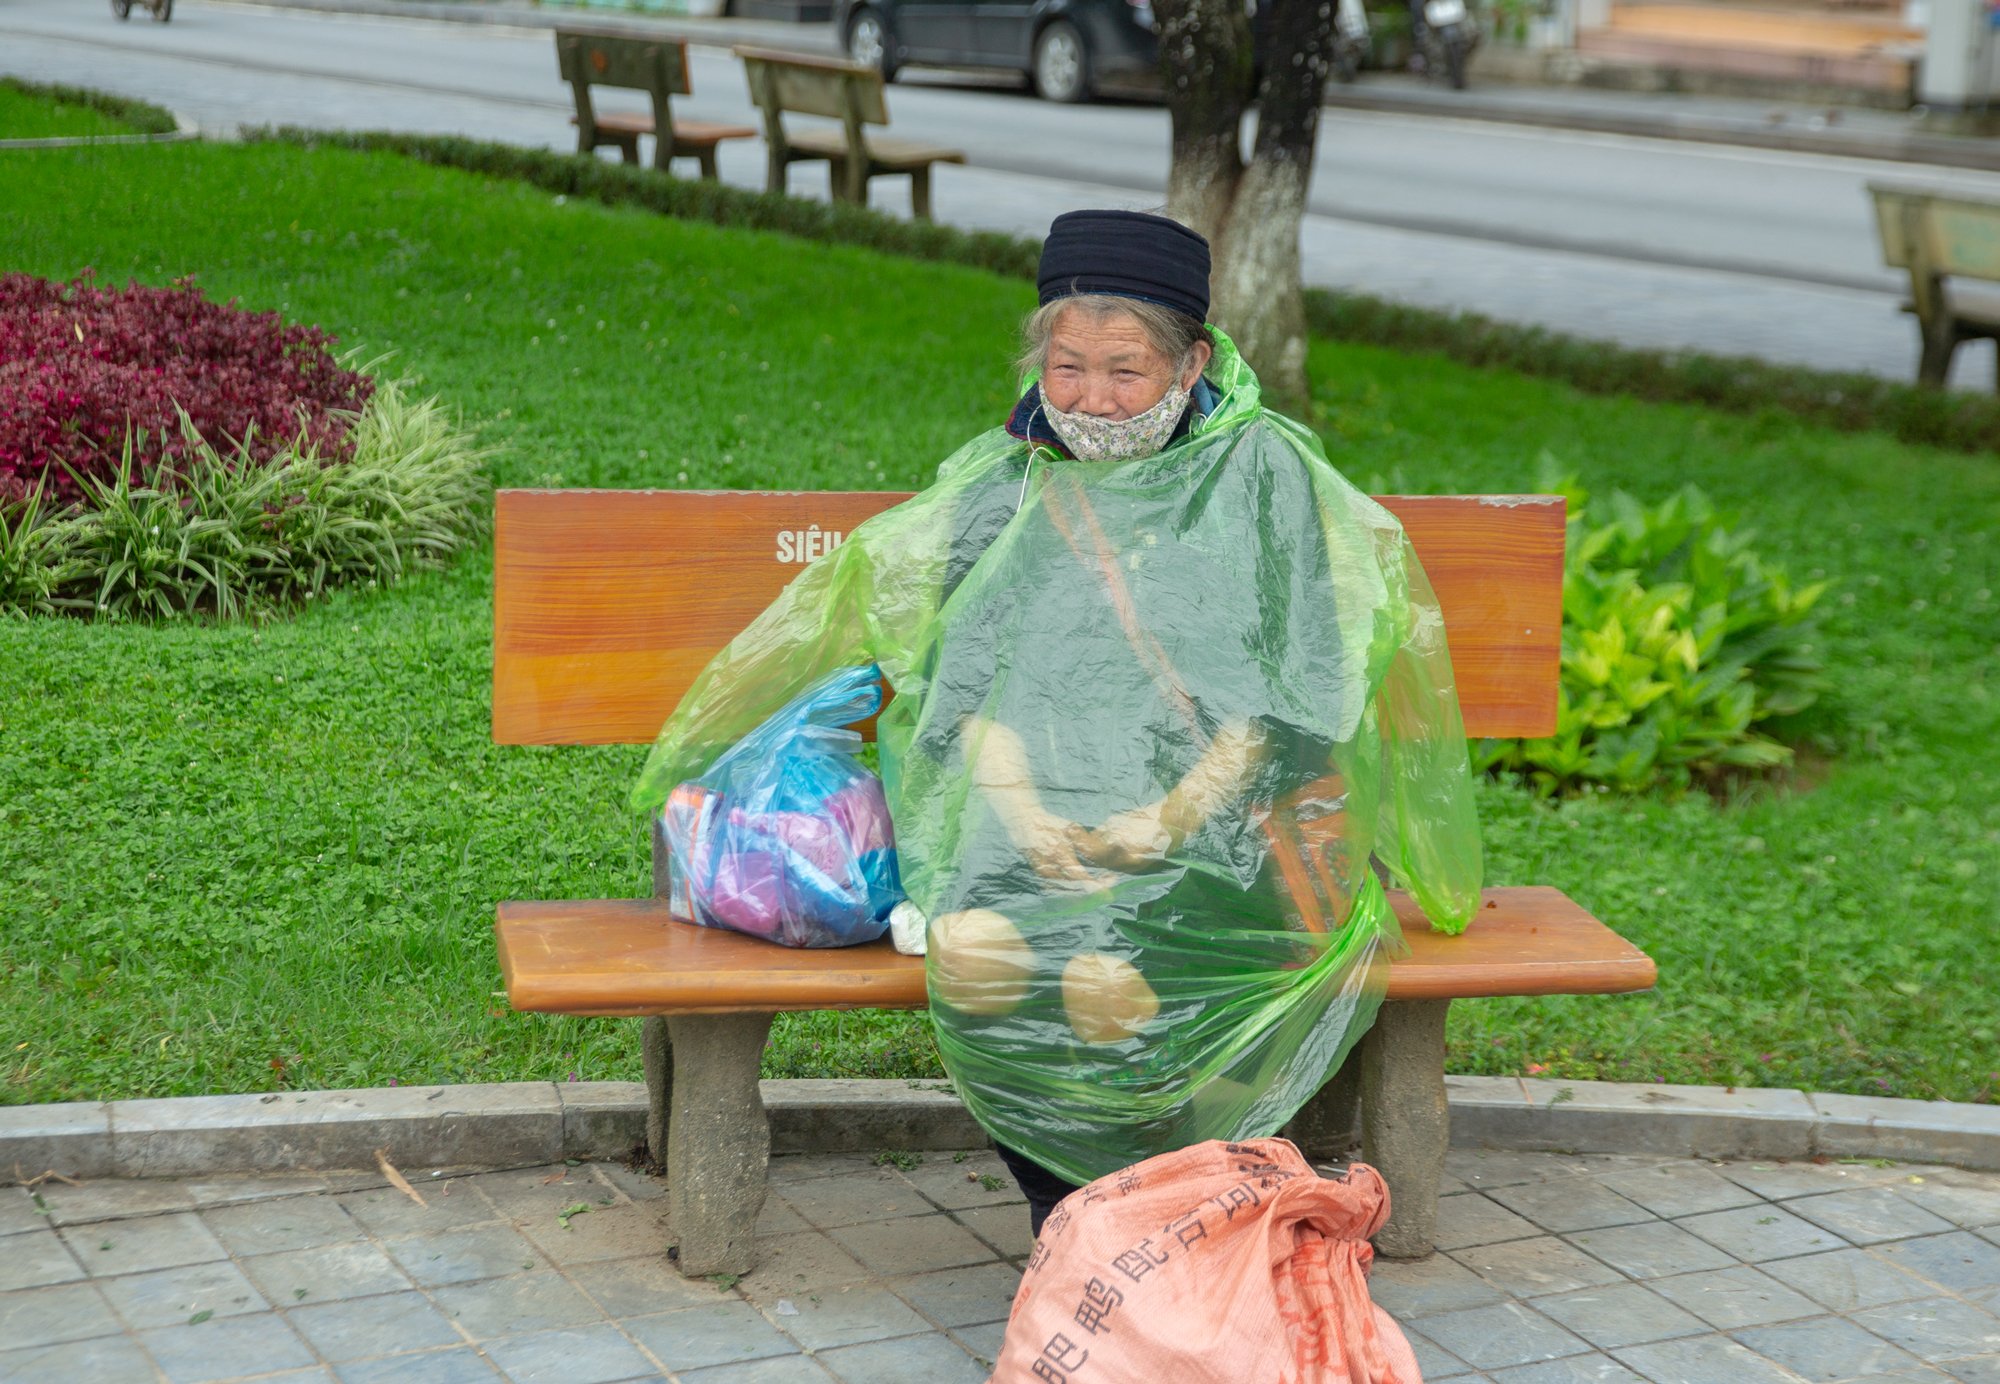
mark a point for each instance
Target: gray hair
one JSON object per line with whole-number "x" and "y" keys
{"x": 1173, "y": 334}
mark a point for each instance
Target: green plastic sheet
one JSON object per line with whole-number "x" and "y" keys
{"x": 1151, "y": 721}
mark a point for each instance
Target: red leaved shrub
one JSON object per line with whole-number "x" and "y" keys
{"x": 81, "y": 364}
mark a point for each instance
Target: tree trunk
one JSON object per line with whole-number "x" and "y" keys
{"x": 1250, "y": 214}
{"x": 1205, "y": 63}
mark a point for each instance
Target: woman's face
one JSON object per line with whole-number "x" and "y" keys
{"x": 1106, "y": 367}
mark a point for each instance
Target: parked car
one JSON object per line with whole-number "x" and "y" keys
{"x": 1069, "y": 49}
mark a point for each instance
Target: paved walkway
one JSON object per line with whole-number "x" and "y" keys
{"x": 1552, "y": 1269}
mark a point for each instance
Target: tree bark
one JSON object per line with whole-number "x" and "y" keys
{"x": 1205, "y": 63}
{"x": 1250, "y": 212}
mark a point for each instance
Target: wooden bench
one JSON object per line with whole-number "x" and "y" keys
{"x": 607, "y": 604}
{"x": 782, "y": 83}
{"x": 1951, "y": 246}
{"x": 657, "y": 66}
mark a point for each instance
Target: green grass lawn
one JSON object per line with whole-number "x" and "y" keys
{"x": 27, "y": 115}
{"x": 236, "y": 857}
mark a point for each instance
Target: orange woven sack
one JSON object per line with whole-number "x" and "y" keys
{"x": 1231, "y": 1263}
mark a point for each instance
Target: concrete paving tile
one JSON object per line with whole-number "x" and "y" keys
{"x": 583, "y": 1355}
{"x": 631, "y": 1182}
{"x": 170, "y": 1296}
{"x": 112, "y": 1198}
{"x": 504, "y": 1306}
{"x": 1960, "y": 1261}
{"x": 778, "y": 1217}
{"x": 356, "y": 1330}
{"x": 1527, "y": 1268}
{"x": 1507, "y": 1333}
{"x": 1702, "y": 1360}
{"x": 604, "y": 1232}
{"x": 526, "y": 1194}
{"x": 100, "y": 1360}
{"x": 1620, "y": 1314}
{"x": 1003, "y": 1227}
{"x": 967, "y": 1296}
{"x": 790, "y": 1264}
{"x": 462, "y": 1365}
{"x": 804, "y": 1167}
{"x": 955, "y": 1186}
{"x": 271, "y": 1227}
{"x": 1848, "y": 1279}
{"x": 1653, "y": 1250}
{"x": 1777, "y": 1180}
{"x": 35, "y": 1260}
{"x": 1733, "y": 1298}
{"x": 315, "y": 1375}
{"x": 325, "y": 1273}
{"x": 984, "y": 1341}
{"x": 1984, "y": 1369}
{"x": 779, "y": 1369}
{"x": 1673, "y": 1190}
{"x": 1757, "y": 1233}
{"x": 642, "y": 1286}
{"x": 724, "y": 1333}
{"x": 891, "y": 1249}
{"x": 831, "y": 1202}
{"x": 1575, "y": 1369}
{"x": 845, "y": 1316}
{"x": 1473, "y": 1218}
{"x": 226, "y": 1348}
{"x": 1433, "y": 1360}
{"x": 64, "y": 1312}
{"x": 1420, "y": 1287}
{"x": 143, "y": 1243}
{"x": 1967, "y": 1206}
{"x": 1869, "y": 1215}
{"x": 18, "y": 1212}
{"x": 928, "y": 1359}
{"x": 1567, "y": 1204}
{"x": 384, "y": 1211}
{"x": 1935, "y": 1328}
{"x": 1824, "y": 1349}
{"x": 235, "y": 1189}
{"x": 1485, "y": 1169}
{"x": 461, "y": 1256}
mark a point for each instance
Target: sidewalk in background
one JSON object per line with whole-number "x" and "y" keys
{"x": 1843, "y": 131}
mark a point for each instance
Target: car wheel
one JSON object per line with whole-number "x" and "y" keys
{"x": 868, "y": 42}
{"x": 122, "y": 8}
{"x": 1062, "y": 63}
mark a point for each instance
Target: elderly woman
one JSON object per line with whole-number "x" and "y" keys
{"x": 1164, "y": 684}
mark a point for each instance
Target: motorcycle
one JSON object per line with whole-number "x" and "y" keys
{"x": 162, "y": 10}
{"x": 1351, "y": 41}
{"x": 1450, "y": 35}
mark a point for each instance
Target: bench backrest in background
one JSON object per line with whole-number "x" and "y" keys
{"x": 1937, "y": 232}
{"x": 590, "y": 58}
{"x": 842, "y": 91}
{"x": 607, "y": 603}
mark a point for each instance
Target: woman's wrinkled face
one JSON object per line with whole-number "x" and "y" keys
{"x": 1108, "y": 368}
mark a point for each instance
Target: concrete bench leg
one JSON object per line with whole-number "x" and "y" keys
{"x": 1405, "y": 1122}
{"x": 656, "y": 1050}
{"x": 718, "y": 1140}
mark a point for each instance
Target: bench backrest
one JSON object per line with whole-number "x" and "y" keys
{"x": 607, "y": 603}
{"x": 843, "y": 91}
{"x": 1936, "y": 232}
{"x": 589, "y": 58}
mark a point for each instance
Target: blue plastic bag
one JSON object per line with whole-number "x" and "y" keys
{"x": 787, "y": 836}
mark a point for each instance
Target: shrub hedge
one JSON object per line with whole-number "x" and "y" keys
{"x": 143, "y": 116}
{"x": 1850, "y": 402}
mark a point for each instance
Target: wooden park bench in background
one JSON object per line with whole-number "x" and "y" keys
{"x": 1951, "y": 246}
{"x": 657, "y": 66}
{"x": 782, "y": 83}
{"x": 606, "y": 605}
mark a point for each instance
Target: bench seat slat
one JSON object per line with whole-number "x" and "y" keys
{"x": 832, "y": 144}
{"x": 627, "y": 957}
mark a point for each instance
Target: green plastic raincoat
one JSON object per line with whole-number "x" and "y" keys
{"x": 1151, "y": 719}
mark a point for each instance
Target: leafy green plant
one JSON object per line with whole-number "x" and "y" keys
{"x": 1680, "y": 645}
{"x": 227, "y": 534}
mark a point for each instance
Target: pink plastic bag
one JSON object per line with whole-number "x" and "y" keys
{"x": 1222, "y": 1263}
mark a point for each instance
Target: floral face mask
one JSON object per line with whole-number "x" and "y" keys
{"x": 1090, "y": 438}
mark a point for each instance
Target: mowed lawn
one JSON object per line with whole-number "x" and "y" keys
{"x": 233, "y": 858}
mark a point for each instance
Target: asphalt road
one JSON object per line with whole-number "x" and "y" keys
{"x": 1647, "y": 242}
